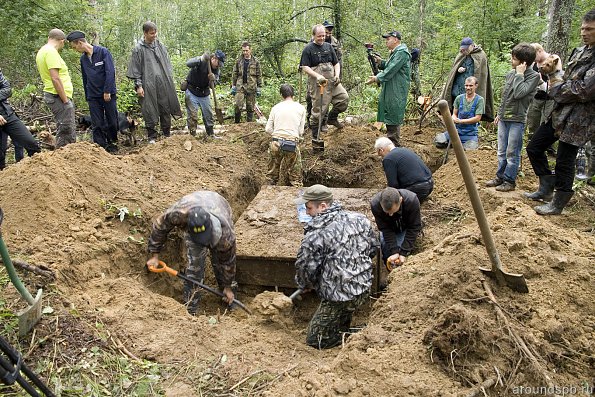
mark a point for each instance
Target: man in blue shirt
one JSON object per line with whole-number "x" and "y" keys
{"x": 99, "y": 81}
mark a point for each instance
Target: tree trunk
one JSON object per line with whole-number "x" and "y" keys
{"x": 560, "y": 23}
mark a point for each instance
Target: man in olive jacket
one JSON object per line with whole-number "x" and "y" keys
{"x": 395, "y": 77}
{"x": 246, "y": 83}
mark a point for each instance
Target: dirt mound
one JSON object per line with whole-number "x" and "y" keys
{"x": 86, "y": 215}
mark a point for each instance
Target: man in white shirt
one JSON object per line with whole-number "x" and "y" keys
{"x": 286, "y": 126}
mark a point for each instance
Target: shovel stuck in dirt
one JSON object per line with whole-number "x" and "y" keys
{"x": 515, "y": 282}
{"x": 317, "y": 143}
{"x": 218, "y": 111}
{"x": 162, "y": 267}
{"x": 29, "y": 316}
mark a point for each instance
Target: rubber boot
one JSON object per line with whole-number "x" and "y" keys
{"x": 249, "y": 116}
{"x": 555, "y": 206}
{"x": 393, "y": 133}
{"x": 237, "y": 117}
{"x": 191, "y": 296}
{"x": 333, "y": 119}
{"x": 545, "y": 192}
{"x": 166, "y": 133}
{"x": 210, "y": 131}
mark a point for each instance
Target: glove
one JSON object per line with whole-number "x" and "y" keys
{"x": 257, "y": 92}
{"x": 321, "y": 80}
{"x": 234, "y": 90}
{"x": 336, "y": 80}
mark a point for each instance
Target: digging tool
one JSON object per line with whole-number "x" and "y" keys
{"x": 218, "y": 111}
{"x": 296, "y": 293}
{"x": 515, "y": 282}
{"x": 317, "y": 143}
{"x": 29, "y": 316}
{"x": 162, "y": 267}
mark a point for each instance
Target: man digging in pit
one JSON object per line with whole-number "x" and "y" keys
{"x": 207, "y": 219}
{"x": 335, "y": 260}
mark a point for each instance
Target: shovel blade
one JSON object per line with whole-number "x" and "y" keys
{"x": 515, "y": 282}
{"x": 317, "y": 145}
{"x": 219, "y": 114}
{"x": 29, "y": 316}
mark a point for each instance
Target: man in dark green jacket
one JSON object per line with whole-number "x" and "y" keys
{"x": 395, "y": 77}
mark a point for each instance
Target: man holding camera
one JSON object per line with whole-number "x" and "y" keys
{"x": 395, "y": 77}
{"x": 321, "y": 64}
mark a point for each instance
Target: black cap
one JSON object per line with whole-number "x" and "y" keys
{"x": 394, "y": 33}
{"x": 328, "y": 25}
{"x": 199, "y": 226}
{"x": 75, "y": 35}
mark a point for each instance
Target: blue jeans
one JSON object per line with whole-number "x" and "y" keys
{"x": 193, "y": 102}
{"x": 385, "y": 251}
{"x": 510, "y": 144}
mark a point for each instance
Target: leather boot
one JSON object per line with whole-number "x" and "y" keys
{"x": 555, "y": 206}
{"x": 545, "y": 192}
{"x": 249, "y": 116}
{"x": 333, "y": 119}
{"x": 237, "y": 117}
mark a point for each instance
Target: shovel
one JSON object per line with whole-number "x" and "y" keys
{"x": 29, "y": 316}
{"x": 515, "y": 282}
{"x": 317, "y": 143}
{"x": 218, "y": 111}
{"x": 162, "y": 267}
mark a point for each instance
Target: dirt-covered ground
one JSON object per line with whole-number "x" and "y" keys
{"x": 434, "y": 332}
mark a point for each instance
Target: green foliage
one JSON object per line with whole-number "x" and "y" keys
{"x": 120, "y": 211}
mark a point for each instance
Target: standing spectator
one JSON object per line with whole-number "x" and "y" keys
{"x": 57, "y": 87}
{"x": 404, "y": 169}
{"x": 151, "y": 71}
{"x": 286, "y": 126}
{"x": 99, "y": 82}
{"x": 246, "y": 83}
{"x": 395, "y": 77}
{"x": 471, "y": 61}
{"x": 207, "y": 221}
{"x": 11, "y": 126}
{"x": 542, "y": 105}
{"x": 572, "y": 123}
{"x": 466, "y": 114}
{"x": 519, "y": 88}
{"x": 415, "y": 81}
{"x": 398, "y": 218}
{"x": 319, "y": 61}
{"x": 334, "y": 259}
{"x": 198, "y": 91}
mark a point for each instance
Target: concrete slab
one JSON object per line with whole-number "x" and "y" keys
{"x": 269, "y": 233}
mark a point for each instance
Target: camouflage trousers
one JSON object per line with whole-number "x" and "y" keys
{"x": 249, "y": 97}
{"x": 197, "y": 257}
{"x": 331, "y": 320}
{"x": 283, "y": 163}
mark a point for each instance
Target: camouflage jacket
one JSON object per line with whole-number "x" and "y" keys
{"x": 335, "y": 257}
{"x": 574, "y": 113}
{"x": 254, "y": 75}
{"x": 224, "y": 241}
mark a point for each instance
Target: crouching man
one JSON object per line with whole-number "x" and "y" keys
{"x": 335, "y": 259}
{"x": 206, "y": 217}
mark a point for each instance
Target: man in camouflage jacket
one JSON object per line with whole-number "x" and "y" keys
{"x": 335, "y": 259}
{"x": 246, "y": 82}
{"x": 207, "y": 220}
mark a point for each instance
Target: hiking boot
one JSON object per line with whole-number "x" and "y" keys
{"x": 335, "y": 122}
{"x": 555, "y": 206}
{"x": 494, "y": 182}
{"x": 505, "y": 187}
{"x": 545, "y": 192}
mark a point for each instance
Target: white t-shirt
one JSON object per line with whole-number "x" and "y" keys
{"x": 287, "y": 120}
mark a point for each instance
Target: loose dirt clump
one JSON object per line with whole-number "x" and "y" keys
{"x": 86, "y": 215}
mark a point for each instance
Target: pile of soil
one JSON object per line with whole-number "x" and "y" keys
{"x": 432, "y": 333}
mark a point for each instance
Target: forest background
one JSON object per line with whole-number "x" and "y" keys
{"x": 278, "y": 31}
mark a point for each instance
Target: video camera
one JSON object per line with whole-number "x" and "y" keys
{"x": 371, "y": 59}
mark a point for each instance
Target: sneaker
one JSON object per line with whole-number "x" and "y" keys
{"x": 494, "y": 182}
{"x": 505, "y": 187}
{"x": 151, "y": 141}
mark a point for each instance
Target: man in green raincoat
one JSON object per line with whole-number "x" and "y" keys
{"x": 395, "y": 77}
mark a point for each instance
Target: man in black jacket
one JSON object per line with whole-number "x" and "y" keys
{"x": 404, "y": 169}
{"x": 11, "y": 126}
{"x": 397, "y": 216}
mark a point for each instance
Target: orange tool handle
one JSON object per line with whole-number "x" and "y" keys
{"x": 162, "y": 267}
{"x": 392, "y": 266}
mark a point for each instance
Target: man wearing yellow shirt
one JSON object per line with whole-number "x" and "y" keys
{"x": 57, "y": 87}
